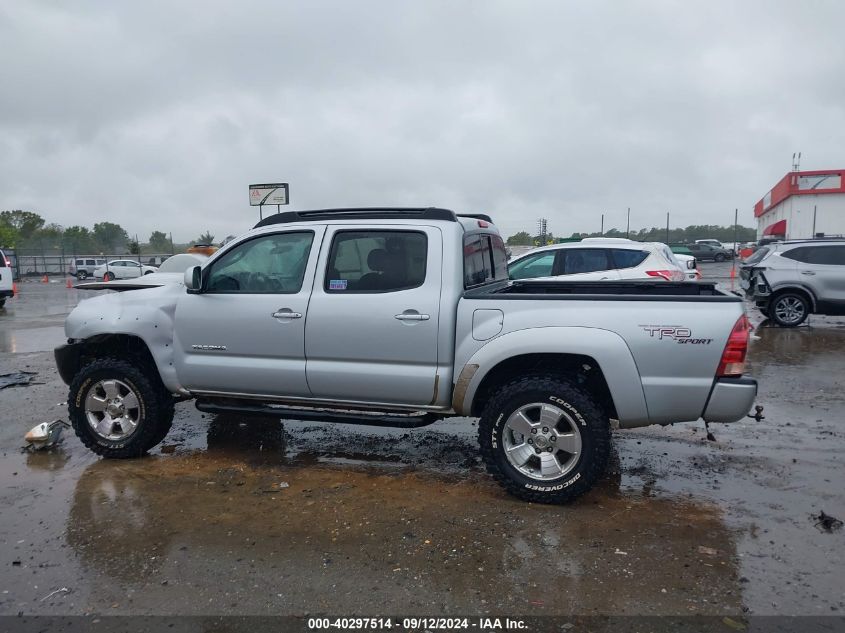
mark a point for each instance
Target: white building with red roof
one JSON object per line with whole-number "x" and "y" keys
{"x": 803, "y": 204}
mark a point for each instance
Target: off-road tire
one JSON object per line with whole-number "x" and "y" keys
{"x": 156, "y": 408}
{"x": 788, "y": 294}
{"x": 82, "y": 275}
{"x": 2, "y": 302}
{"x": 594, "y": 427}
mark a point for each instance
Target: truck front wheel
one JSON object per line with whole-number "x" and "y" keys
{"x": 116, "y": 410}
{"x": 544, "y": 439}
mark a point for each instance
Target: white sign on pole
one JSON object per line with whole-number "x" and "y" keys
{"x": 268, "y": 194}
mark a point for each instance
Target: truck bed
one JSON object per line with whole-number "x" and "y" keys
{"x": 604, "y": 291}
{"x": 658, "y": 343}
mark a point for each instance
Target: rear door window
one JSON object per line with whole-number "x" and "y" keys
{"x": 2, "y": 259}
{"x": 585, "y": 260}
{"x": 627, "y": 258}
{"x": 375, "y": 261}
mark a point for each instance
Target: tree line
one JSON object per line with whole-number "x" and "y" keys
{"x": 28, "y": 231}
{"x": 655, "y": 234}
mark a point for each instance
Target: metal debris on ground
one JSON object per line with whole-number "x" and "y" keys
{"x": 827, "y": 523}
{"x": 53, "y": 593}
{"x": 17, "y": 379}
{"x": 45, "y": 435}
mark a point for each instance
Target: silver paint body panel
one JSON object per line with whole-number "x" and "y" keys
{"x": 350, "y": 348}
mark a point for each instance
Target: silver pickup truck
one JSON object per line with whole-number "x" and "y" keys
{"x": 402, "y": 317}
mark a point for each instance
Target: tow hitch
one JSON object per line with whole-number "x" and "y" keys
{"x": 758, "y": 413}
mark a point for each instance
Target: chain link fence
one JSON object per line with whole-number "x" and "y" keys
{"x": 37, "y": 264}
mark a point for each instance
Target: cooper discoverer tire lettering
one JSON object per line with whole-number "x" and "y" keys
{"x": 544, "y": 439}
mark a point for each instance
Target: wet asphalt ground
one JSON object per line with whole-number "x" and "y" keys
{"x": 252, "y": 516}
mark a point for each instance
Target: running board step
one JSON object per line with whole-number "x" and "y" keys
{"x": 365, "y": 418}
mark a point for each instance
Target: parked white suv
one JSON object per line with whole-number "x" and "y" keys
{"x": 600, "y": 259}
{"x": 6, "y": 279}
{"x": 122, "y": 269}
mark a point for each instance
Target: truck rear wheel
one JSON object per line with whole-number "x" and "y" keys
{"x": 544, "y": 439}
{"x": 116, "y": 410}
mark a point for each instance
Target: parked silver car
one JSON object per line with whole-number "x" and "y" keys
{"x": 788, "y": 281}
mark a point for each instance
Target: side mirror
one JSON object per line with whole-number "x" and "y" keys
{"x": 193, "y": 279}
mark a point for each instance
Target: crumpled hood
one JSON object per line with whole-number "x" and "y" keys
{"x": 124, "y": 312}
{"x": 147, "y": 314}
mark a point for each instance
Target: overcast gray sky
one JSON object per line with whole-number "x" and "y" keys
{"x": 157, "y": 115}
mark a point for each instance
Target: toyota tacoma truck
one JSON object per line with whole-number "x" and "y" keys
{"x": 400, "y": 318}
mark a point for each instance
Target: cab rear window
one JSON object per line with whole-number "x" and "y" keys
{"x": 485, "y": 259}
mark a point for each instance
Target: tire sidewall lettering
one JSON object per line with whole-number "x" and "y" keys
{"x": 498, "y": 429}
{"x": 560, "y": 486}
{"x": 570, "y": 408}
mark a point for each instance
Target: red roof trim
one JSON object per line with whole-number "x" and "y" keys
{"x": 788, "y": 186}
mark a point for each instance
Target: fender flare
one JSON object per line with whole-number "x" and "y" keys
{"x": 800, "y": 288}
{"x": 608, "y": 349}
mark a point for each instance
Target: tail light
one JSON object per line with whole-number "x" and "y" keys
{"x": 732, "y": 362}
{"x": 668, "y": 275}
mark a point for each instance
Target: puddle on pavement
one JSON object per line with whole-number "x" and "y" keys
{"x": 39, "y": 339}
{"x": 253, "y": 516}
{"x": 413, "y": 540}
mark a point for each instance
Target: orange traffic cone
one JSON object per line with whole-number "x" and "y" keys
{"x": 14, "y": 288}
{"x": 45, "y": 279}
{"x": 68, "y": 284}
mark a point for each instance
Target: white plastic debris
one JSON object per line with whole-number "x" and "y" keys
{"x": 45, "y": 435}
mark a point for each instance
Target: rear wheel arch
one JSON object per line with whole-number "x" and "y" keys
{"x": 581, "y": 369}
{"x": 808, "y": 294}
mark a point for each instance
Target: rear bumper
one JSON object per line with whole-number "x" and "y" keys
{"x": 7, "y": 293}
{"x": 730, "y": 399}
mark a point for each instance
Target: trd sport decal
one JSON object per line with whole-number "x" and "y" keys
{"x": 682, "y": 335}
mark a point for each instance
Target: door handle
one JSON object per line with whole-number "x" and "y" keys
{"x": 286, "y": 313}
{"x": 412, "y": 317}
{"x": 807, "y": 272}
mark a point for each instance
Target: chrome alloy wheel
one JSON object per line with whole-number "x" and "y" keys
{"x": 112, "y": 409}
{"x": 789, "y": 309}
{"x": 541, "y": 441}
